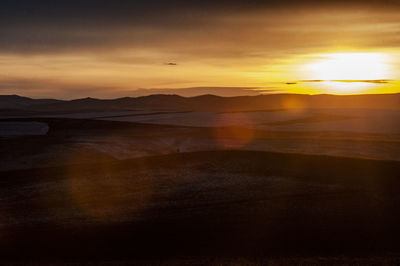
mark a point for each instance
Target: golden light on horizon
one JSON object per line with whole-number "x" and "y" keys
{"x": 349, "y": 72}
{"x": 351, "y": 66}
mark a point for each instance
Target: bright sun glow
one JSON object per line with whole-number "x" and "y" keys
{"x": 347, "y": 73}
{"x": 350, "y": 66}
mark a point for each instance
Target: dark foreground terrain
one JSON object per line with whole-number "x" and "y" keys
{"x": 206, "y": 207}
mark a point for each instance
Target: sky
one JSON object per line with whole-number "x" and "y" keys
{"x": 109, "y": 49}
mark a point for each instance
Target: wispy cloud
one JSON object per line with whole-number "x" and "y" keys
{"x": 196, "y": 91}
{"x": 374, "y": 81}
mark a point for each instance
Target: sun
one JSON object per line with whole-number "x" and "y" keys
{"x": 350, "y": 67}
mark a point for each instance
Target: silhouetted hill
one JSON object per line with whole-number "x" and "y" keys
{"x": 205, "y": 103}
{"x": 19, "y": 102}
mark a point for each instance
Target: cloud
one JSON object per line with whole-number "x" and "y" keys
{"x": 51, "y": 88}
{"x": 107, "y": 47}
{"x": 24, "y": 84}
{"x": 196, "y": 91}
{"x": 45, "y": 88}
{"x": 376, "y": 81}
{"x": 194, "y": 27}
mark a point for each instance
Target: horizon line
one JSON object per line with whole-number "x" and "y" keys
{"x": 201, "y": 95}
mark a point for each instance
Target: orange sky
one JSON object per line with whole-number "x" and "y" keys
{"x": 261, "y": 47}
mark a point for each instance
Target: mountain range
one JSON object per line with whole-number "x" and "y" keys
{"x": 202, "y": 103}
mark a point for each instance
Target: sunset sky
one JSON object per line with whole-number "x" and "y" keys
{"x": 109, "y": 49}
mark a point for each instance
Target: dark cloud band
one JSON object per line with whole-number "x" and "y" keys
{"x": 67, "y": 26}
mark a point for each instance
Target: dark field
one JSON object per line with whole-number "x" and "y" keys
{"x": 71, "y": 141}
{"x": 130, "y": 192}
{"x": 206, "y": 206}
